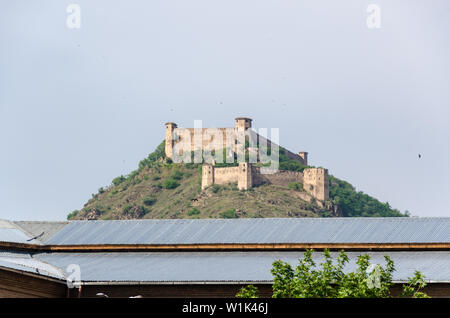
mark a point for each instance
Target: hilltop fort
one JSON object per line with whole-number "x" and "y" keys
{"x": 315, "y": 181}
{"x": 263, "y": 181}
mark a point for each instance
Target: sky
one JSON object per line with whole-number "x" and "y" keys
{"x": 81, "y": 106}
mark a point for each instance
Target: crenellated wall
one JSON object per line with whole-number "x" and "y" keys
{"x": 279, "y": 178}
{"x": 242, "y": 175}
{"x": 314, "y": 180}
{"x": 226, "y": 175}
{"x": 180, "y": 139}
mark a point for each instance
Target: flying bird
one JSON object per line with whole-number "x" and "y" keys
{"x": 36, "y": 237}
{"x": 420, "y": 156}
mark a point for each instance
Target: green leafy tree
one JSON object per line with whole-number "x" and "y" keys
{"x": 415, "y": 284}
{"x": 249, "y": 291}
{"x": 353, "y": 203}
{"x": 328, "y": 279}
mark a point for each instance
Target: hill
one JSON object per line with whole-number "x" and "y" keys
{"x": 162, "y": 189}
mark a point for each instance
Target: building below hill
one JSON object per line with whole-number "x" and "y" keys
{"x": 205, "y": 257}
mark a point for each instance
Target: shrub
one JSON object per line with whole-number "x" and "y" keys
{"x": 155, "y": 178}
{"x": 292, "y": 165}
{"x": 135, "y": 211}
{"x": 289, "y": 164}
{"x": 170, "y": 184}
{"x": 152, "y": 158}
{"x": 297, "y": 186}
{"x": 136, "y": 181}
{"x": 193, "y": 211}
{"x": 127, "y": 208}
{"x": 149, "y": 200}
{"x": 133, "y": 174}
{"x": 99, "y": 210}
{"x": 139, "y": 211}
{"x": 158, "y": 185}
{"x": 177, "y": 175}
{"x": 118, "y": 180}
{"x": 229, "y": 214}
{"x": 72, "y": 214}
{"x": 215, "y": 188}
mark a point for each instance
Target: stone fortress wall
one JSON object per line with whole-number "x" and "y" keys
{"x": 246, "y": 175}
{"x": 279, "y": 178}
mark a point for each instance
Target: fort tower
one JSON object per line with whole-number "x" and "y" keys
{"x": 243, "y": 122}
{"x": 170, "y": 127}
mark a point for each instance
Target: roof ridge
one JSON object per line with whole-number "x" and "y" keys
{"x": 260, "y": 219}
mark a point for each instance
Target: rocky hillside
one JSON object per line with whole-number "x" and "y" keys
{"x": 161, "y": 189}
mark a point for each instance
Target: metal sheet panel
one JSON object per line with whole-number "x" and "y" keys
{"x": 24, "y": 262}
{"x": 283, "y": 230}
{"x": 227, "y": 266}
{"x": 11, "y": 233}
{"x": 43, "y": 229}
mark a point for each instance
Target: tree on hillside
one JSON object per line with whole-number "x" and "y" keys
{"x": 328, "y": 280}
{"x": 357, "y": 203}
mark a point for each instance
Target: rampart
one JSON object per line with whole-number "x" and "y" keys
{"x": 315, "y": 180}
{"x": 180, "y": 140}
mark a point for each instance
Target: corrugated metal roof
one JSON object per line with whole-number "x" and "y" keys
{"x": 285, "y": 230}
{"x": 227, "y": 266}
{"x": 43, "y": 229}
{"x": 11, "y": 233}
{"x": 24, "y": 262}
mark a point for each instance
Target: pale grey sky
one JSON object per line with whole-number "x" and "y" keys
{"x": 79, "y": 107}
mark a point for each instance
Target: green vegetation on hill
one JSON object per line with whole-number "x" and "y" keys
{"x": 289, "y": 164}
{"x": 162, "y": 189}
{"x": 357, "y": 203}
